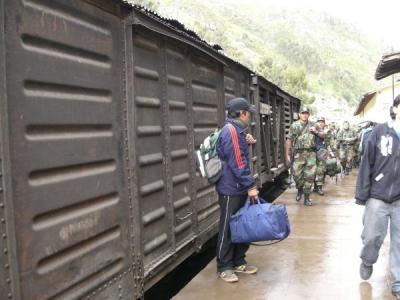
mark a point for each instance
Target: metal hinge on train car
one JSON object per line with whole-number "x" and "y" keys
{"x": 265, "y": 109}
{"x": 254, "y": 79}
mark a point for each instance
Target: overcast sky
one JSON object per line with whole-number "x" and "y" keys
{"x": 381, "y": 18}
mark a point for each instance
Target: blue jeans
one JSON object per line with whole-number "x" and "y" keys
{"x": 376, "y": 218}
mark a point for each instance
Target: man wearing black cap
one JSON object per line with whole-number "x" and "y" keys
{"x": 235, "y": 185}
{"x": 301, "y": 140}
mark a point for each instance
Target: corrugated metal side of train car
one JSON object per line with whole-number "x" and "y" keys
{"x": 294, "y": 112}
{"x": 237, "y": 83}
{"x": 177, "y": 102}
{"x": 65, "y": 210}
{"x": 277, "y": 110}
{"x": 265, "y": 95}
{"x": 283, "y": 120}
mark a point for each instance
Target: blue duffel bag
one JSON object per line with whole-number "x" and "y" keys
{"x": 259, "y": 221}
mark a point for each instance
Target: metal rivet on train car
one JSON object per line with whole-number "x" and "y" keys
{"x": 2, "y": 220}
{"x": 1, "y": 204}
{"x": 8, "y": 280}
{"x": 6, "y": 266}
{"x": 9, "y": 295}
{"x": 4, "y": 236}
{"x": 5, "y": 250}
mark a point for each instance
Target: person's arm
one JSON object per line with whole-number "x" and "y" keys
{"x": 363, "y": 185}
{"x": 288, "y": 151}
{"x": 339, "y": 137}
{"x": 289, "y": 145}
{"x": 321, "y": 134}
{"x": 319, "y": 131}
{"x": 352, "y": 138}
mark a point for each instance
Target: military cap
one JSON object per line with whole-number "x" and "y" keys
{"x": 304, "y": 109}
{"x": 321, "y": 119}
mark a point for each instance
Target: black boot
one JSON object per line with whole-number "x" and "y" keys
{"x": 299, "y": 194}
{"x": 318, "y": 190}
{"x": 307, "y": 200}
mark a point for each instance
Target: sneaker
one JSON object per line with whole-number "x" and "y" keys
{"x": 365, "y": 271}
{"x": 228, "y": 276}
{"x": 246, "y": 269}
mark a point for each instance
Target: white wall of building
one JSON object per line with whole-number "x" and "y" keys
{"x": 377, "y": 109}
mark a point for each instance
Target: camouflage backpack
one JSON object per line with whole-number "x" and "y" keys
{"x": 332, "y": 167}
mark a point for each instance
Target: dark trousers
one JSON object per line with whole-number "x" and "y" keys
{"x": 229, "y": 255}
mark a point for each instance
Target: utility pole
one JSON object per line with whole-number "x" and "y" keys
{"x": 393, "y": 86}
{"x": 393, "y": 80}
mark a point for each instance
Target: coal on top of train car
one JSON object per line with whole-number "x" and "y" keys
{"x": 177, "y": 28}
{"x": 189, "y": 36}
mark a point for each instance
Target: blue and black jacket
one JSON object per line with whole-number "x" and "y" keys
{"x": 233, "y": 149}
{"x": 379, "y": 173}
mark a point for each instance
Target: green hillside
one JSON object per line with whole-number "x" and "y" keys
{"x": 309, "y": 54}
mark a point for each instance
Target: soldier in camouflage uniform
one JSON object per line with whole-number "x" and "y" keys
{"x": 300, "y": 151}
{"x": 333, "y": 135}
{"x": 357, "y": 154}
{"x": 346, "y": 139}
{"x": 321, "y": 143}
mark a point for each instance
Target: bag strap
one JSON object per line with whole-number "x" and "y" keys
{"x": 268, "y": 244}
{"x": 301, "y": 133}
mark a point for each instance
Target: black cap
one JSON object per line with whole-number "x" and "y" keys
{"x": 238, "y": 104}
{"x": 321, "y": 119}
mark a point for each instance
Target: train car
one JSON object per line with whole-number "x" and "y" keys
{"x": 277, "y": 110}
{"x": 102, "y": 107}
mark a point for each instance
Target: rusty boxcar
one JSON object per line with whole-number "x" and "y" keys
{"x": 102, "y": 107}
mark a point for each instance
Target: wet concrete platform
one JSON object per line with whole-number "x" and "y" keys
{"x": 320, "y": 259}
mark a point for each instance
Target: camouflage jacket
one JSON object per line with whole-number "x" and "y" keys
{"x": 330, "y": 140}
{"x": 346, "y": 134}
{"x": 302, "y": 139}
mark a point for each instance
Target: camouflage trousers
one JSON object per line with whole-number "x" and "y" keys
{"x": 304, "y": 169}
{"x": 321, "y": 170}
{"x": 346, "y": 155}
{"x": 357, "y": 156}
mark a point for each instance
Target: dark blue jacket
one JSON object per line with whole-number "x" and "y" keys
{"x": 319, "y": 142}
{"x": 233, "y": 149}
